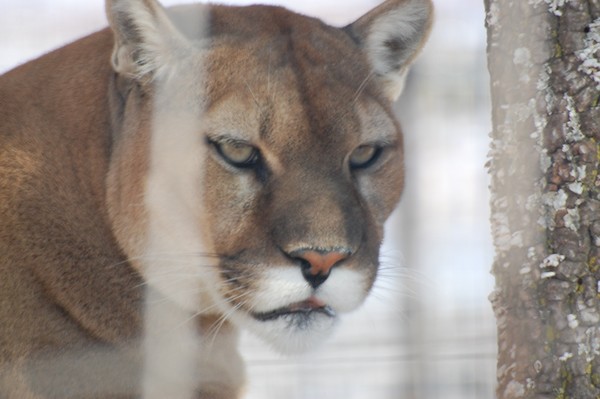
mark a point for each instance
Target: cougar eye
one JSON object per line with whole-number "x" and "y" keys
{"x": 238, "y": 154}
{"x": 365, "y": 156}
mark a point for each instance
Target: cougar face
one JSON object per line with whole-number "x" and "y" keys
{"x": 306, "y": 180}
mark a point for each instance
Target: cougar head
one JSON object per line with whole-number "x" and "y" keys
{"x": 257, "y": 157}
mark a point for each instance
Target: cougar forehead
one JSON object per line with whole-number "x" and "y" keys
{"x": 296, "y": 85}
{"x": 291, "y": 60}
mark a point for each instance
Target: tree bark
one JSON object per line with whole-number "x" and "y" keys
{"x": 544, "y": 63}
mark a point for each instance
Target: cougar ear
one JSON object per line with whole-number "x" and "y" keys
{"x": 392, "y": 36}
{"x": 146, "y": 40}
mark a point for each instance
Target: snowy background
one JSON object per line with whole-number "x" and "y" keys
{"x": 427, "y": 332}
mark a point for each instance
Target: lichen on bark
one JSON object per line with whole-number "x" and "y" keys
{"x": 544, "y": 164}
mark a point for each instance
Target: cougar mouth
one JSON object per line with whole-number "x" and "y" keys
{"x": 300, "y": 309}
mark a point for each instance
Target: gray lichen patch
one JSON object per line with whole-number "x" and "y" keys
{"x": 589, "y": 55}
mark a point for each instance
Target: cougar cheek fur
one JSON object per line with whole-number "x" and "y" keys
{"x": 188, "y": 172}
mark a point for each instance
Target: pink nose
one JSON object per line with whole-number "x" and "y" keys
{"x": 316, "y": 265}
{"x": 321, "y": 263}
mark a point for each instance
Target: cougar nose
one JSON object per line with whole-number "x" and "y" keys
{"x": 316, "y": 265}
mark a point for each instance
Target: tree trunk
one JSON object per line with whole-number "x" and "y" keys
{"x": 544, "y": 62}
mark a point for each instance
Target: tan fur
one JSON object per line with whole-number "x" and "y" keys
{"x": 99, "y": 205}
